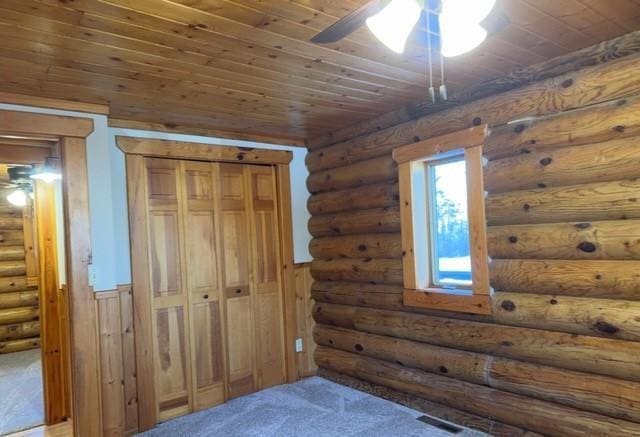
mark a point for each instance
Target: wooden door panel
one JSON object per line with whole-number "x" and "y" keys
{"x": 164, "y": 253}
{"x": 266, "y": 226}
{"x": 267, "y": 304}
{"x": 238, "y": 299}
{"x": 208, "y": 354}
{"x": 170, "y": 316}
{"x": 171, "y": 363}
{"x": 203, "y": 281}
{"x": 236, "y": 250}
{"x": 201, "y": 255}
{"x": 270, "y": 341}
{"x": 240, "y": 349}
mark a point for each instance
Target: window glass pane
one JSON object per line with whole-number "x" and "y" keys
{"x": 451, "y": 261}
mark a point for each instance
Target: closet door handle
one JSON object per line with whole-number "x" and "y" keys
{"x": 206, "y": 296}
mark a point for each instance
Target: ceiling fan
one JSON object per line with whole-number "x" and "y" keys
{"x": 454, "y": 26}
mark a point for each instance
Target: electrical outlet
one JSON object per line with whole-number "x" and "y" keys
{"x": 298, "y": 345}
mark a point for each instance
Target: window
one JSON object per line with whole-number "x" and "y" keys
{"x": 445, "y": 260}
{"x": 448, "y": 223}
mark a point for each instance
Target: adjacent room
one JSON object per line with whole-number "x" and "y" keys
{"x": 319, "y": 218}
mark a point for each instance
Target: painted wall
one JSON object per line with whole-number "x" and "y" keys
{"x": 108, "y": 195}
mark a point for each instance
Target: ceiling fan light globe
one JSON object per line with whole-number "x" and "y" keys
{"x": 469, "y": 11}
{"x": 457, "y": 40}
{"x": 393, "y": 24}
{"x": 17, "y": 198}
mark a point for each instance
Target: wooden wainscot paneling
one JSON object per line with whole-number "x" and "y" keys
{"x": 117, "y": 362}
{"x": 304, "y": 310}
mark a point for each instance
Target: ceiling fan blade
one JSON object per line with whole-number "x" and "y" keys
{"x": 349, "y": 23}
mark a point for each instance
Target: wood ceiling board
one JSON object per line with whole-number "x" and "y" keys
{"x": 247, "y": 65}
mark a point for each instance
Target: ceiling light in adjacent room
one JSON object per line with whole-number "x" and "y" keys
{"x": 17, "y": 198}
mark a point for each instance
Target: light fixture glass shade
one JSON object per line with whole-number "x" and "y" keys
{"x": 17, "y": 198}
{"x": 469, "y": 11}
{"x": 48, "y": 173}
{"x": 393, "y": 24}
{"x": 457, "y": 40}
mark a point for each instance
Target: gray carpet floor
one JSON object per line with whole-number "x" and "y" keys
{"x": 309, "y": 408}
{"x": 21, "y": 393}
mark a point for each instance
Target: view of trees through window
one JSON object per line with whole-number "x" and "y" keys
{"x": 450, "y": 224}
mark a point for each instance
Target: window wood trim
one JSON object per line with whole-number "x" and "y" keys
{"x": 477, "y": 299}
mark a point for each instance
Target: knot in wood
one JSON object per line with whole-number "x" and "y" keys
{"x": 240, "y": 156}
{"x": 359, "y": 347}
{"x": 545, "y": 161}
{"x": 519, "y": 128}
{"x": 513, "y": 239}
{"x": 566, "y": 83}
{"x": 582, "y": 225}
{"x": 606, "y": 328}
{"x": 508, "y": 305}
{"x": 476, "y": 121}
{"x": 587, "y": 246}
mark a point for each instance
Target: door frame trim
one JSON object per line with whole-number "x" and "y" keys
{"x": 71, "y": 133}
{"x": 135, "y": 150}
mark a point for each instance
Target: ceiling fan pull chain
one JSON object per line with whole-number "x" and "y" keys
{"x": 432, "y": 91}
{"x": 442, "y": 92}
{"x": 443, "y": 87}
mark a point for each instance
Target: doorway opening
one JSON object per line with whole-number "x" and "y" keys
{"x": 34, "y": 334}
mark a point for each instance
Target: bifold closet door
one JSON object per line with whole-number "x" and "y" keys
{"x": 203, "y": 282}
{"x": 252, "y": 284}
{"x": 267, "y": 302}
{"x": 236, "y": 247}
{"x": 169, "y": 299}
{"x": 185, "y": 286}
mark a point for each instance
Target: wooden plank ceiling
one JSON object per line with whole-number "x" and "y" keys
{"x": 246, "y": 66}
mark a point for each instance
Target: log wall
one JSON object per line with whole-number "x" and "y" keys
{"x": 560, "y": 353}
{"x": 19, "y": 295}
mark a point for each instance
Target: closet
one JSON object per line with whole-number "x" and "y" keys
{"x": 215, "y": 300}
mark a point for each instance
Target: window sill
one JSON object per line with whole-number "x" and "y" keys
{"x": 440, "y": 299}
